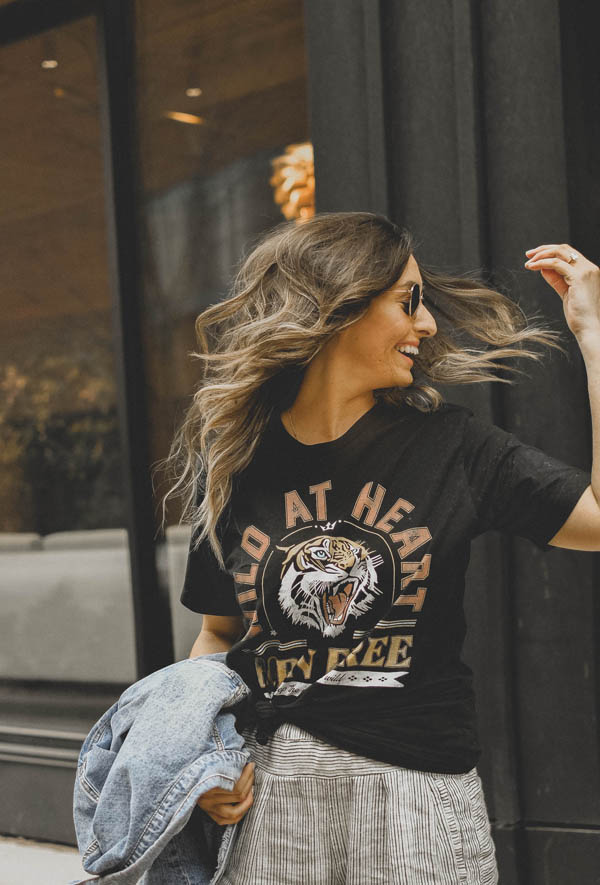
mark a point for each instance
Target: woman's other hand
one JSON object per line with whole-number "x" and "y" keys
{"x": 230, "y": 806}
{"x": 577, "y": 280}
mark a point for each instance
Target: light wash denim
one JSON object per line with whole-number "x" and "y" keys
{"x": 168, "y": 739}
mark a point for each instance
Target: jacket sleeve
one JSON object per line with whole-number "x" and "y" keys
{"x": 518, "y": 488}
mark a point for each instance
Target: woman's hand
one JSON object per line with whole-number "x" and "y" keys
{"x": 229, "y": 806}
{"x": 578, "y": 284}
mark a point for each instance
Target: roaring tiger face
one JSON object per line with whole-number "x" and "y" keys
{"x": 325, "y": 580}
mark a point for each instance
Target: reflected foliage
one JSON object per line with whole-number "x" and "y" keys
{"x": 59, "y": 442}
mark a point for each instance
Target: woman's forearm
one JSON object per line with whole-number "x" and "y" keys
{"x": 577, "y": 280}
{"x": 591, "y": 356}
{"x": 207, "y": 643}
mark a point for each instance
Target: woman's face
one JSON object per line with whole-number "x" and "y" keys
{"x": 371, "y": 344}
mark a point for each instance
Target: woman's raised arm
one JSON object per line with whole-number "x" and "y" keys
{"x": 577, "y": 281}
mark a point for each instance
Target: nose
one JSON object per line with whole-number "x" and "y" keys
{"x": 424, "y": 322}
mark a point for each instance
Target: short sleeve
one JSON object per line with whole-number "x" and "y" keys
{"x": 518, "y": 488}
{"x": 208, "y": 589}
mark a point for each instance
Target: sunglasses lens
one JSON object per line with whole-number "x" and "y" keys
{"x": 415, "y": 298}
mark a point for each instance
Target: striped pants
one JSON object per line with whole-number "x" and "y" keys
{"x": 324, "y": 816}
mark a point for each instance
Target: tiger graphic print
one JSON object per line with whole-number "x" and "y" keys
{"x": 326, "y": 580}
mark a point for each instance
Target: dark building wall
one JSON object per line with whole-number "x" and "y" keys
{"x": 472, "y": 125}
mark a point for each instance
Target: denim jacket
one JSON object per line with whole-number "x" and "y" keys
{"x": 168, "y": 739}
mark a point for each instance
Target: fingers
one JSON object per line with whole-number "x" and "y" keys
{"x": 229, "y": 806}
{"x": 554, "y": 257}
{"x": 560, "y": 248}
{"x": 245, "y": 779}
{"x": 232, "y": 814}
{"x": 222, "y": 810}
{"x": 538, "y": 248}
{"x": 560, "y": 251}
{"x": 558, "y": 264}
{"x": 542, "y": 253}
{"x": 240, "y": 788}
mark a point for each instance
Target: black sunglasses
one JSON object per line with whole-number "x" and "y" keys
{"x": 416, "y": 297}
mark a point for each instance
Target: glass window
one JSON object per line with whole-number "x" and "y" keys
{"x": 225, "y": 154}
{"x": 64, "y": 562}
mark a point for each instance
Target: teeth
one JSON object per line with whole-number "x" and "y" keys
{"x": 408, "y": 348}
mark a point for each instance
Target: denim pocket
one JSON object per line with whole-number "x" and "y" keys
{"x": 93, "y": 771}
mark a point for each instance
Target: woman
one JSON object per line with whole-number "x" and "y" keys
{"x": 334, "y": 495}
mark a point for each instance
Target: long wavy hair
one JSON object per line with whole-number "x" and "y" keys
{"x": 298, "y": 285}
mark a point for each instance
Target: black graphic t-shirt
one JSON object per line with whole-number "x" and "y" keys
{"x": 347, "y": 560}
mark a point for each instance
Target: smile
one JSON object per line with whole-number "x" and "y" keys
{"x": 406, "y": 357}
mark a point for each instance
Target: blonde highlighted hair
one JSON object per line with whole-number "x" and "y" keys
{"x": 299, "y": 285}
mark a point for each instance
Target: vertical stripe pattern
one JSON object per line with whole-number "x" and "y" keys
{"x": 325, "y": 816}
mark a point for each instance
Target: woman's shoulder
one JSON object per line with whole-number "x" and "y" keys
{"x": 443, "y": 426}
{"x": 445, "y": 411}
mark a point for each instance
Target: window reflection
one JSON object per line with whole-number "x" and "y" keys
{"x": 65, "y": 582}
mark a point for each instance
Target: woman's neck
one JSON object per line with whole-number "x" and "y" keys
{"x": 326, "y": 406}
